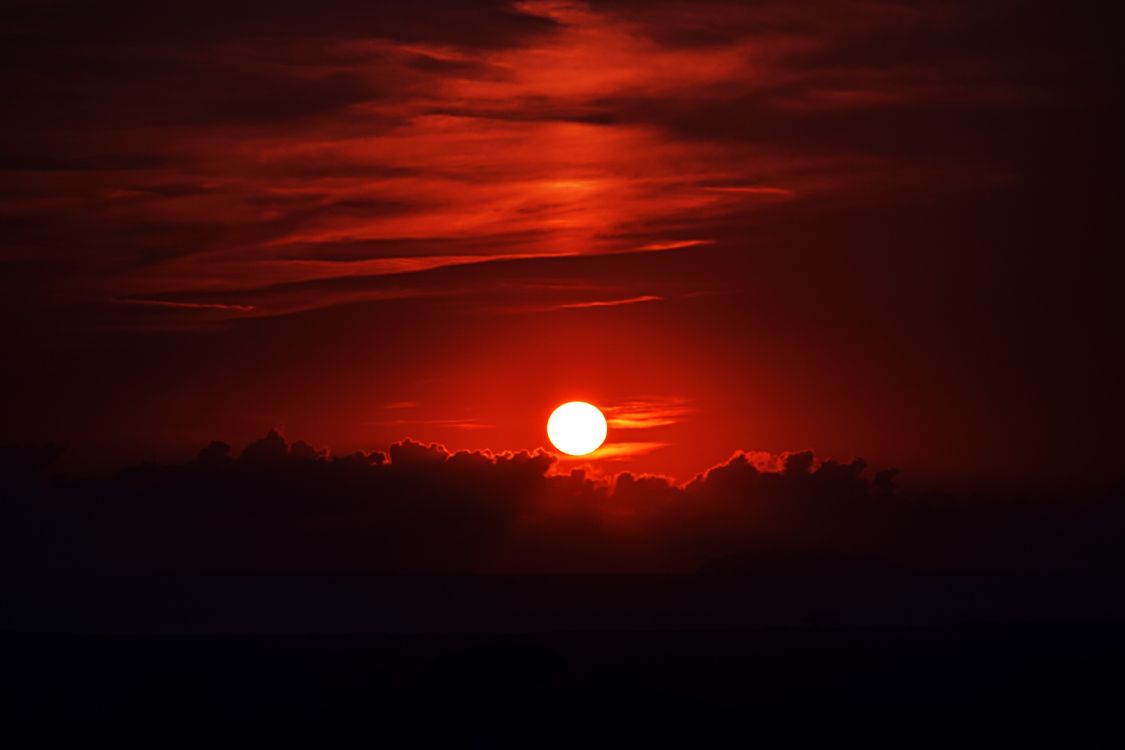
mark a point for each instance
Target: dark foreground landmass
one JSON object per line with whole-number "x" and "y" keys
{"x": 548, "y": 688}
{"x": 564, "y": 660}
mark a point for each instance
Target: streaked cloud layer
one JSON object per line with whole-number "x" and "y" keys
{"x": 213, "y": 161}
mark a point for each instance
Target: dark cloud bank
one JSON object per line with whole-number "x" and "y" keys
{"x": 288, "y": 507}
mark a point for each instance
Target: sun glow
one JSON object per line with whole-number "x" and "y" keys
{"x": 577, "y": 428}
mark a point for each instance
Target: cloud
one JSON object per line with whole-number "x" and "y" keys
{"x": 585, "y": 305}
{"x": 236, "y": 151}
{"x": 421, "y": 507}
{"x": 401, "y": 405}
{"x": 459, "y": 424}
{"x": 610, "y": 302}
{"x": 643, "y": 414}
{"x": 620, "y": 449}
{"x": 674, "y": 244}
{"x": 173, "y": 305}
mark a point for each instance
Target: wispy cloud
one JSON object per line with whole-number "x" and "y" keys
{"x": 395, "y": 405}
{"x": 613, "y": 451}
{"x": 457, "y": 424}
{"x": 649, "y": 413}
{"x": 584, "y": 305}
{"x": 376, "y": 146}
{"x": 611, "y": 302}
{"x": 174, "y": 305}
{"x": 674, "y": 244}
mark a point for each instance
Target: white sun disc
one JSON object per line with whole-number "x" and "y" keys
{"x": 577, "y": 428}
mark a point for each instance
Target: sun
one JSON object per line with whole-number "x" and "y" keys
{"x": 577, "y": 428}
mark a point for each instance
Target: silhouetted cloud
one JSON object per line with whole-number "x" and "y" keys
{"x": 292, "y": 506}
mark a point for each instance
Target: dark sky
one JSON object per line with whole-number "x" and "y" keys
{"x": 868, "y": 229}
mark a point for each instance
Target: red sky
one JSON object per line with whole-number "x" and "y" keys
{"x": 870, "y": 229}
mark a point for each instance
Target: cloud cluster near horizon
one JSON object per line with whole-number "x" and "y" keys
{"x": 281, "y": 506}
